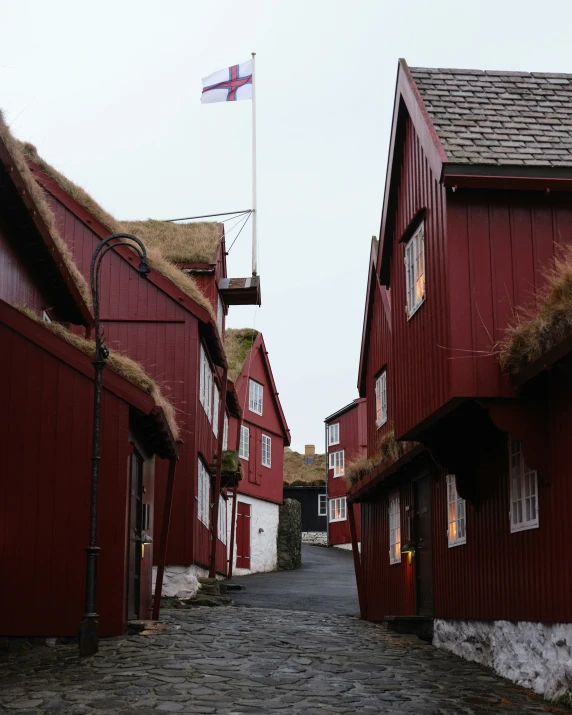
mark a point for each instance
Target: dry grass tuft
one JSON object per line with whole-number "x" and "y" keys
{"x": 299, "y": 474}
{"x": 36, "y": 192}
{"x": 390, "y": 450}
{"x": 121, "y": 364}
{"x": 179, "y": 242}
{"x": 237, "y": 344}
{"x": 535, "y": 333}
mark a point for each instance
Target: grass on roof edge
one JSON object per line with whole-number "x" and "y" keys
{"x": 238, "y": 343}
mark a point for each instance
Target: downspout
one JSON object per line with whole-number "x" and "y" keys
{"x": 357, "y": 561}
{"x": 164, "y": 538}
{"x": 327, "y": 500}
{"x": 216, "y": 499}
{"x": 234, "y": 507}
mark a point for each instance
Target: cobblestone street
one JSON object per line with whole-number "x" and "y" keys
{"x": 251, "y": 660}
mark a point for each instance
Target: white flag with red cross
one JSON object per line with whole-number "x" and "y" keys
{"x": 228, "y": 85}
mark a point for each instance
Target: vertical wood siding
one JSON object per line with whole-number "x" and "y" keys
{"x": 17, "y": 285}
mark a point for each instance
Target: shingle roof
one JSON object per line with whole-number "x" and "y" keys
{"x": 501, "y": 118}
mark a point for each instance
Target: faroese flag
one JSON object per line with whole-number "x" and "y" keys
{"x": 228, "y": 85}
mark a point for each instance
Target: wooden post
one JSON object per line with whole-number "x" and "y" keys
{"x": 164, "y": 538}
{"x": 216, "y": 498}
{"x": 357, "y": 560}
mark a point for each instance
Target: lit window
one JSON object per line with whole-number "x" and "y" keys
{"x": 457, "y": 531}
{"x": 523, "y": 490}
{"x": 333, "y": 434}
{"x": 255, "y": 397}
{"x": 244, "y": 449}
{"x": 415, "y": 270}
{"x": 336, "y": 462}
{"x": 381, "y": 399}
{"x": 219, "y": 314}
{"x": 266, "y": 450}
{"x": 203, "y": 496}
{"x": 394, "y": 529}
{"x": 225, "y": 433}
{"x": 222, "y": 518}
{"x": 205, "y": 384}
{"x": 216, "y": 400}
{"x": 338, "y": 509}
{"x": 322, "y": 505}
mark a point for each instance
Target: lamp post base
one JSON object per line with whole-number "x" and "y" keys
{"x": 89, "y": 635}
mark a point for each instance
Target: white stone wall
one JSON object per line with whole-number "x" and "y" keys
{"x": 263, "y": 553}
{"x": 535, "y": 655}
{"x": 180, "y": 581}
{"x": 317, "y": 538}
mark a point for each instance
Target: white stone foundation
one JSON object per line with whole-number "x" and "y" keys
{"x": 317, "y": 538}
{"x": 347, "y": 547}
{"x": 180, "y": 581}
{"x": 534, "y": 655}
{"x": 263, "y": 533}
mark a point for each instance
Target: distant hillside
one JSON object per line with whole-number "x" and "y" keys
{"x": 299, "y": 474}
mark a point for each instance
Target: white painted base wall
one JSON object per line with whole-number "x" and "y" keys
{"x": 263, "y": 552}
{"x": 317, "y": 538}
{"x": 534, "y": 655}
{"x": 180, "y": 581}
{"x": 347, "y": 547}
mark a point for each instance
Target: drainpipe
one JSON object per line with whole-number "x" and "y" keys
{"x": 327, "y": 500}
{"x": 234, "y": 507}
{"x": 214, "y": 525}
{"x": 164, "y": 538}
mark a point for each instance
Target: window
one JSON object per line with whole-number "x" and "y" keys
{"x": 336, "y": 462}
{"x": 244, "y": 449}
{"x": 204, "y": 489}
{"x": 381, "y": 399}
{"x": 219, "y": 314}
{"x": 523, "y": 490}
{"x": 255, "y": 398}
{"x": 415, "y": 270}
{"x": 333, "y": 434}
{"x": 216, "y": 400}
{"x": 456, "y": 532}
{"x": 45, "y": 317}
{"x": 322, "y": 505}
{"x": 206, "y": 384}
{"x": 225, "y": 433}
{"x": 338, "y": 509}
{"x": 266, "y": 450}
{"x": 221, "y": 531}
{"x": 394, "y": 529}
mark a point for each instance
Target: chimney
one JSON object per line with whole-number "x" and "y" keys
{"x": 309, "y": 453}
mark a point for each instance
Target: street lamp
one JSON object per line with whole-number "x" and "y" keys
{"x": 89, "y": 630}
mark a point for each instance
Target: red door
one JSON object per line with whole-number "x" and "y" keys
{"x": 243, "y": 536}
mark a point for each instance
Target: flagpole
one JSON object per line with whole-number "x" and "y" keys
{"x": 254, "y": 213}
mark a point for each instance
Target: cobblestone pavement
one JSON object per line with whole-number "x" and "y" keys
{"x": 250, "y": 660}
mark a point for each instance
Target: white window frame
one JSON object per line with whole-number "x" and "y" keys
{"x": 225, "y": 432}
{"x": 45, "y": 317}
{"x": 255, "y": 396}
{"x": 336, "y": 461}
{"x": 203, "y": 493}
{"x": 338, "y": 505}
{"x": 219, "y": 313}
{"x": 415, "y": 277}
{"x": 333, "y": 434}
{"x": 244, "y": 446}
{"x": 266, "y": 451}
{"x": 221, "y": 528}
{"x": 205, "y": 384}
{"x": 523, "y": 490}
{"x": 456, "y": 514}
{"x": 216, "y": 402}
{"x": 394, "y": 528}
{"x": 322, "y": 505}
{"x": 381, "y": 399}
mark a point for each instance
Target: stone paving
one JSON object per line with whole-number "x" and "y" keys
{"x": 254, "y": 660}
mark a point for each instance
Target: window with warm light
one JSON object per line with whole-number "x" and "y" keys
{"x": 336, "y": 462}
{"x": 381, "y": 399}
{"x": 338, "y": 509}
{"x": 266, "y": 451}
{"x": 244, "y": 447}
{"x": 523, "y": 490}
{"x": 394, "y": 529}
{"x": 333, "y": 434}
{"x": 457, "y": 531}
{"x": 255, "y": 397}
{"x": 203, "y": 493}
{"x": 221, "y": 531}
{"x": 415, "y": 270}
{"x": 322, "y": 505}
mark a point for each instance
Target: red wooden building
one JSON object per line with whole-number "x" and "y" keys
{"x": 260, "y": 435}
{"x": 461, "y": 516}
{"x": 346, "y": 441}
{"x": 46, "y": 388}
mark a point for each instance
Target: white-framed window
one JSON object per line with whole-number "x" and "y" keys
{"x": 216, "y": 401}
{"x": 394, "y": 529}
{"x": 45, "y": 317}
{"x": 244, "y": 448}
{"x": 415, "y": 270}
{"x": 381, "y": 399}
{"x": 219, "y": 314}
{"x": 225, "y": 433}
{"x": 333, "y": 434}
{"x": 203, "y": 493}
{"x": 457, "y": 529}
{"x": 337, "y": 463}
{"x": 221, "y": 530}
{"x": 322, "y": 505}
{"x": 266, "y": 451}
{"x": 205, "y": 384}
{"x": 523, "y": 490}
{"x": 255, "y": 397}
{"x": 338, "y": 509}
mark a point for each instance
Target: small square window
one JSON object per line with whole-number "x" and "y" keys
{"x": 338, "y": 509}
{"x": 336, "y": 462}
{"x": 333, "y": 434}
{"x": 255, "y": 397}
{"x": 523, "y": 490}
{"x": 322, "y": 505}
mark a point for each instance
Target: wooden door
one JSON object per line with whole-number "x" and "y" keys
{"x": 423, "y": 546}
{"x": 242, "y": 535}
{"x": 134, "y": 536}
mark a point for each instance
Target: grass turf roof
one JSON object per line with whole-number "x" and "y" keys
{"x": 237, "y": 344}
{"x": 179, "y": 242}
{"x": 299, "y": 474}
{"x": 157, "y": 258}
{"x": 390, "y": 450}
{"x": 131, "y": 370}
{"x": 37, "y": 193}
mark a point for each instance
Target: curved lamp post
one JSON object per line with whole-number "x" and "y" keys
{"x": 89, "y": 630}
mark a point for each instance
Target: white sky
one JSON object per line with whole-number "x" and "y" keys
{"x": 110, "y": 94}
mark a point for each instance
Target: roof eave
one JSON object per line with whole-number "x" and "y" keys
{"x": 494, "y": 176}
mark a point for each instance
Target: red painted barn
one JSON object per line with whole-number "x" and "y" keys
{"x": 260, "y": 435}
{"x": 460, "y": 515}
{"x": 346, "y": 441}
{"x": 46, "y": 388}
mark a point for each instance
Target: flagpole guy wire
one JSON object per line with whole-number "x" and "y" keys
{"x": 227, "y": 213}
{"x": 254, "y": 221}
